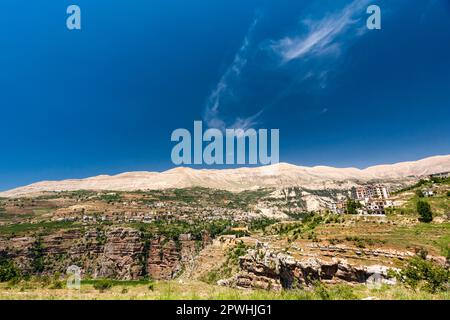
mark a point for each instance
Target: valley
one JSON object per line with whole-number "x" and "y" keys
{"x": 263, "y": 243}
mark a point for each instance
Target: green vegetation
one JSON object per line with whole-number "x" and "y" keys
{"x": 414, "y": 186}
{"x": 352, "y": 206}
{"x": 144, "y": 256}
{"x": 262, "y": 223}
{"x": 197, "y": 196}
{"x": 440, "y": 205}
{"x": 363, "y": 242}
{"x": 424, "y": 211}
{"x": 304, "y": 228}
{"x": 103, "y": 284}
{"x": 173, "y": 229}
{"x": 57, "y": 284}
{"x": 439, "y": 202}
{"x": 229, "y": 266}
{"x": 420, "y": 278}
{"x": 235, "y": 253}
{"x": 78, "y": 194}
{"x": 37, "y": 253}
{"x": 237, "y": 233}
{"x": 422, "y": 273}
{"x": 42, "y": 227}
{"x": 432, "y": 237}
{"x": 440, "y": 180}
{"x": 194, "y": 290}
{"x": 114, "y": 283}
{"x": 111, "y": 197}
{"x": 8, "y": 270}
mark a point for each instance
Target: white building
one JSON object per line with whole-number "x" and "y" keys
{"x": 376, "y": 191}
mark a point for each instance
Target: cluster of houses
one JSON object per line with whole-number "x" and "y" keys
{"x": 141, "y": 212}
{"x": 370, "y": 199}
{"x": 428, "y": 192}
{"x": 375, "y": 198}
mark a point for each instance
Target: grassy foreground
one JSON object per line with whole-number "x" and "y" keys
{"x": 196, "y": 290}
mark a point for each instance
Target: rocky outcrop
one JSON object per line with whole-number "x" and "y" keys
{"x": 262, "y": 268}
{"x": 331, "y": 250}
{"x": 167, "y": 258}
{"x": 121, "y": 253}
{"x": 115, "y": 253}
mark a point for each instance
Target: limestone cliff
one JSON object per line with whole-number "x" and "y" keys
{"x": 117, "y": 253}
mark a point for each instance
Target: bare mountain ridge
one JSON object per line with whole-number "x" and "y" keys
{"x": 277, "y": 175}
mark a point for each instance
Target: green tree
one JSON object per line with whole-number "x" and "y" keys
{"x": 424, "y": 211}
{"x": 352, "y": 206}
{"x": 422, "y": 273}
{"x": 8, "y": 270}
{"x": 37, "y": 252}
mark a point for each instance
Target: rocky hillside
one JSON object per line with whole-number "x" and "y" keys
{"x": 278, "y": 175}
{"x": 262, "y": 268}
{"x": 116, "y": 253}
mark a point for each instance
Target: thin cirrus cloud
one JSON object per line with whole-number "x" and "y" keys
{"x": 214, "y": 108}
{"x": 322, "y": 36}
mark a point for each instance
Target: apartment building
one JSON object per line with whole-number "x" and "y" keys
{"x": 441, "y": 175}
{"x": 376, "y": 191}
{"x": 373, "y": 198}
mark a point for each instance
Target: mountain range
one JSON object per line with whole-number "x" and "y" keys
{"x": 276, "y": 175}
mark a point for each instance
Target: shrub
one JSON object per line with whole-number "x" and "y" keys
{"x": 448, "y": 193}
{"x": 352, "y": 206}
{"x": 420, "y": 272}
{"x": 342, "y": 292}
{"x": 103, "y": 284}
{"x": 417, "y": 185}
{"x": 262, "y": 223}
{"x": 8, "y": 270}
{"x": 424, "y": 211}
{"x": 57, "y": 284}
{"x": 213, "y": 276}
{"x": 37, "y": 252}
{"x": 321, "y": 291}
{"x": 44, "y": 280}
{"x": 419, "y": 193}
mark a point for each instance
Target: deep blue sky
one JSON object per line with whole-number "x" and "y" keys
{"x": 105, "y": 99}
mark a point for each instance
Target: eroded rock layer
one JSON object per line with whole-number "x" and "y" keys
{"x": 116, "y": 253}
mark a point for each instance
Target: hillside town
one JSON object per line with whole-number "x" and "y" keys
{"x": 368, "y": 199}
{"x": 221, "y": 239}
{"x": 374, "y": 199}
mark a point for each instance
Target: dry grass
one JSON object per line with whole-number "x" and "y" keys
{"x": 195, "y": 290}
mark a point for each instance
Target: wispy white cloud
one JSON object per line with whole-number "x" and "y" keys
{"x": 322, "y": 35}
{"x": 248, "y": 122}
{"x": 212, "y": 115}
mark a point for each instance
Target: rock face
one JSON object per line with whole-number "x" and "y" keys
{"x": 121, "y": 253}
{"x": 116, "y": 253}
{"x": 264, "y": 269}
{"x": 167, "y": 258}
